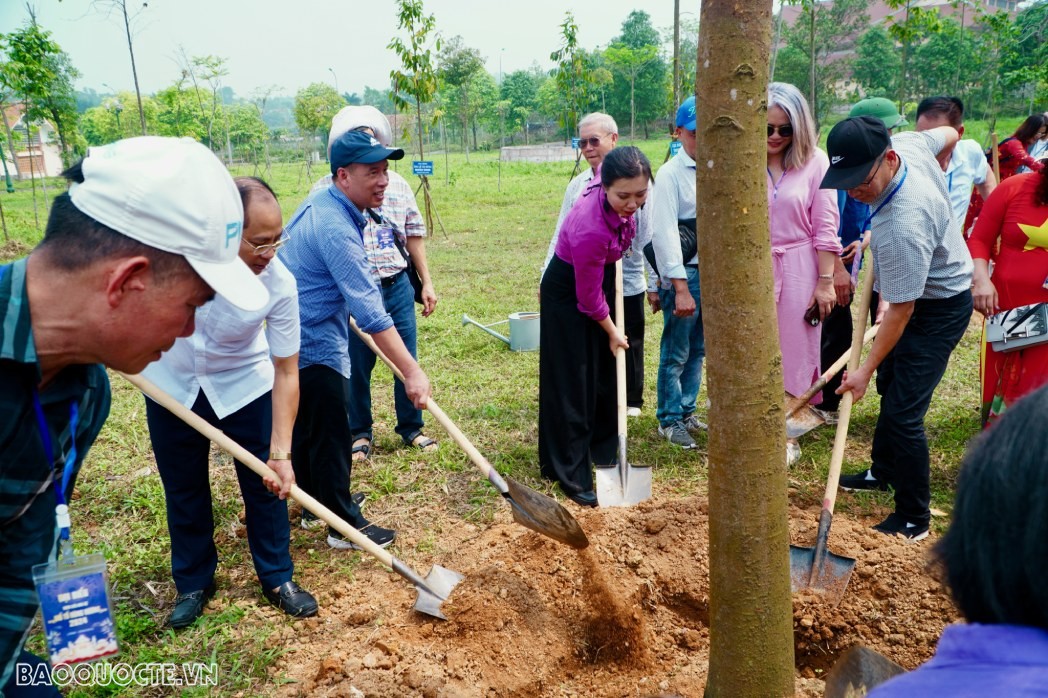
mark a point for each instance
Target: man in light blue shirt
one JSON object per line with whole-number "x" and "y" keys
{"x": 325, "y": 252}
{"x": 683, "y": 346}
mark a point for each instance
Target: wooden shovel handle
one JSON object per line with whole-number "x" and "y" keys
{"x": 620, "y": 353}
{"x": 464, "y": 443}
{"x": 800, "y": 401}
{"x": 250, "y": 460}
{"x": 844, "y": 411}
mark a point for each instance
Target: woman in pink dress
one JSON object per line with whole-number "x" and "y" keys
{"x": 804, "y": 242}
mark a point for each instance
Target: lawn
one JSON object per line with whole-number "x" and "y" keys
{"x": 487, "y": 265}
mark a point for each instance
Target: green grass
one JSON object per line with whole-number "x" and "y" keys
{"x": 487, "y": 265}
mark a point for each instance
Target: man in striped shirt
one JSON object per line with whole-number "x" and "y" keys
{"x": 144, "y": 236}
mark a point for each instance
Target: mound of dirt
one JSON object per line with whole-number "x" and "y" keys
{"x": 627, "y": 616}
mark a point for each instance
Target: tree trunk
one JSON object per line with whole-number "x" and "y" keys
{"x": 751, "y": 621}
{"x": 812, "y": 91}
{"x": 11, "y": 143}
{"x": 676, "y": 57}
{"x": 633, "y": 109}
{"x": 134, "y": 69}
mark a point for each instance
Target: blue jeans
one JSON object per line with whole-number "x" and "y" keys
{"x": 399, "y": 299}
{"x": 680, "y": 355}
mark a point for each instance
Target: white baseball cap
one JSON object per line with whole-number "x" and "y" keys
{"x": 175, "y": 195}
{"x": 351, "y": 117}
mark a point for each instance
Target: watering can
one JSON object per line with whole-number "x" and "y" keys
{"x": 523, "y": 330}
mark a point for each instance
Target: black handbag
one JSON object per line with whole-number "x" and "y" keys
{"x": 688, "y": 243}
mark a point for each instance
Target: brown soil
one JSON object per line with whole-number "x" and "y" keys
{"x": 626, "y": 617}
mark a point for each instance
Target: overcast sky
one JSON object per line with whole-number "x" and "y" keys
{"x": 291, "y": 43}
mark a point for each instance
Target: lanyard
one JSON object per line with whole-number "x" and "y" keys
{"x": 61, "y": 510}
{"x": 775, "y": 185}
{"x": 905, "y": 171}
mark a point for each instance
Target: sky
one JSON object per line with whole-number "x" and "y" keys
{"x": 292, "y": 44}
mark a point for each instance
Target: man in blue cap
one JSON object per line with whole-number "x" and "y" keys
{"x": 325, "y": 252}
{"x": 924, "y": 272}
{"x": 682, "y": 346}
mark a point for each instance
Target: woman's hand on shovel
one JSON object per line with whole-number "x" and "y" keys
{"x": 856, "y": 381}
{"x": 616, "y": 340}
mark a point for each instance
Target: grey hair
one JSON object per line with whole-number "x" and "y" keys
{"x": 790, "y": 100}
{"x": 600, "y": 120}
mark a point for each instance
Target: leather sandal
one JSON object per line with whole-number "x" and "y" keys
{"x": 422, "y": 442}
{"x": 292, "y": 600}
{"x": 361, "y": 452}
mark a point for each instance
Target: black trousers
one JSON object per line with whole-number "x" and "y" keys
{"x": 633, "y": 321}
{"x": 321, "y": 445}
{"x": 577, "y": 398}
{"x": 906, "y": 380}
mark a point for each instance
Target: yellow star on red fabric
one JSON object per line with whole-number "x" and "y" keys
{"x": 1037, "y": 234}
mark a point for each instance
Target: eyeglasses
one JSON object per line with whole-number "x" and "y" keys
{"x": 272, "y": 247}
{"x": 591, "y": 142}
{"x": 873, "y": 174}
{"x": 786, "y": 131}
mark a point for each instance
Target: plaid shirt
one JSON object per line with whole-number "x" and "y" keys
{"x": 27, "y": 500}
{"x": 399, "y": 208}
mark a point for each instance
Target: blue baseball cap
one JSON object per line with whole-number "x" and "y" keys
{"x": 686, "y": 114}
{"x": 357, "y": 146}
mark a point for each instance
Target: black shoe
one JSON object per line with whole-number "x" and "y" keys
{"x": 382, "y": 537}
{"x": 585, "y": 498}
{"x": 189, "y": 607}
{"x": 292, "y": 600}
{"x": 862, "y": 481}
{"x": 896, "y": 525}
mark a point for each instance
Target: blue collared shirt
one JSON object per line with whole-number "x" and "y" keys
{"x": 325, "y": 253}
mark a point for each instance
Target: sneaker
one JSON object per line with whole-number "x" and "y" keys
{"x": 632, "y": 411}
{"x": 382, "y": 537}
{"x": 677, "y": 434}
{"x": 310, "y": 522}
{"x": 793, "y": 451}
{"x": 896, "y": 525}
{"x": 694, "y": 424}
{"x": 862, "y": 481}
{"x": 828, "y": 416}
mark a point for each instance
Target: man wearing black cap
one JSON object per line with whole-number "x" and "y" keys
{"x": 326, "y": 254}
{"x": 924, "y": 272}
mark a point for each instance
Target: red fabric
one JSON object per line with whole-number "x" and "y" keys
{"x": 1011, "y": 156}
{"x": 1019, "y": 276}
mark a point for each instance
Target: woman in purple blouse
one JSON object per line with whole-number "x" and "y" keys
{"x": 577, "y": 397}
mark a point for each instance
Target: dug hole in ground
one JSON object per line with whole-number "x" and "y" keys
{"x": 628, "y": 616}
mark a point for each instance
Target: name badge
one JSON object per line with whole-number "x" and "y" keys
{"x": 384, "y": 235}
{"x": 75, "y": 603}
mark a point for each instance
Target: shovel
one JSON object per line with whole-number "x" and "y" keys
{"x": 858, "y": 671}
{"x": 817, "y": 569}
{"x": 432, "y": 590}
{"x": 621, "y": 485}
{"x": 531, "y": 509}
{"x": 799, "y": 418}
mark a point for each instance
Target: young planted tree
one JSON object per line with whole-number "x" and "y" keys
{"x": 751, "y": 621}
{"x": 418, "y": 79}
{"x": 462, "y": 72}
{"x": 914, "y": 23}
{"x": 315, "y": 107}
{"x": 629, "y": 63}
{"x": 645, "y": 92}
{"x": 128, "y": 19}
{"x": 571, "y": 78}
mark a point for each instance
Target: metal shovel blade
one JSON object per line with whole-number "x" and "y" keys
{"x": 433, "y": 590}
{"x": 858, "y": 671}
{"x": 544, "y": 515}
{"x": 804, "y": 420}
{"x": 827, "y": 577}
{"x": 623, "y": 484}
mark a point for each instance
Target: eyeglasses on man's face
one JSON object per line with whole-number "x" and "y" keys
{"x": 591, "y": 142}
{"x": 873, "y": 174}
{"x": 272, "y": 247}
{"x": 785, "y": 131}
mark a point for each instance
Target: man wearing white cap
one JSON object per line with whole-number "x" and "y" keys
{"x": 149, "y": 231}
{"x": 396, "y": 227}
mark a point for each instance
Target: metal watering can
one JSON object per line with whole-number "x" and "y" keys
{"x": 523, "y": 330}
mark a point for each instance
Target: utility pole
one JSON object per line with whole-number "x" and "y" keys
{"x": 332, "y": 71}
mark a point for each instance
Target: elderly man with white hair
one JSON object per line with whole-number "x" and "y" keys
{"x": 397, "y": 224}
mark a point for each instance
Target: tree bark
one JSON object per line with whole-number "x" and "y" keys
{"x": 751, "y": 623}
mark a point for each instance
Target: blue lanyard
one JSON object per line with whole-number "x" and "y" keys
{"x": 775, "y": 185}
{"x": 905, "y": 171}
{"x": 70, "y": 460}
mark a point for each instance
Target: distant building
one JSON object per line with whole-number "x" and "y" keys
{"x": 38, "y": 155}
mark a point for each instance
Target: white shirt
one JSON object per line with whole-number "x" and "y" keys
{"x": 1038, "y": 151}
{"x": 634, "y": 264}
{"x": 674, "y": 201}
{"x": 228, "y": 354}
{"x": 967, "y": 168}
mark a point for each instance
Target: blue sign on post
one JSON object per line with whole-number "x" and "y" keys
{"x": 575, "y": 143}
{"x": 422, "y": 167}
{"x": 675, "y": 147}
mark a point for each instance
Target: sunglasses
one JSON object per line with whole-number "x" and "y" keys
{"x": 590, "y": 142}
{"x": 262, "y": 249}
{"x": 786, "y": 131}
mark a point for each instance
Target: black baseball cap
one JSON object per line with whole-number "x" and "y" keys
{"x": 357, "y": 146}
{"x": 854, "y": 146}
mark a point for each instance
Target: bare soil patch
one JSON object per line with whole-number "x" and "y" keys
{"x": 627, "y": 617}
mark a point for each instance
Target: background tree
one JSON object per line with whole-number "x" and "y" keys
{"x": 907, "y": 29}
{"x": 128, "y": 19}
{"x": 571, "y": 78}
{"x": 461, "y": 74}
{"x": 751, "y": 614}
{"x": 380, "y": 99}
{"x": 519, "y": 90}
{"x": 877, "y": 65}
{"x": 315, "y": 106}
{"x": 646, "y": 75}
